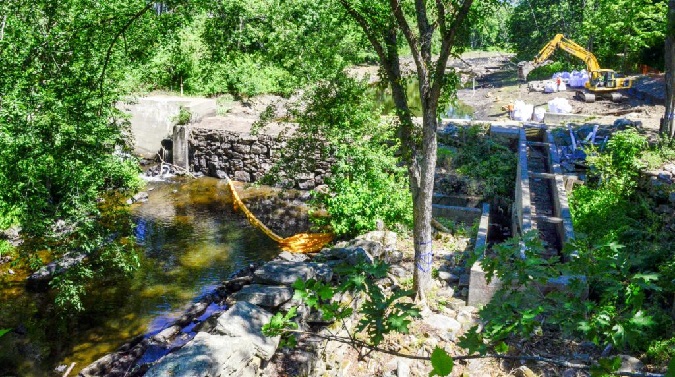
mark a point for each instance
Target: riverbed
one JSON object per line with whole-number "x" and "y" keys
{"x": 189, "y": 239}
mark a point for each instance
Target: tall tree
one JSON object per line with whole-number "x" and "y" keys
{"x": 668, "y": 125}
{"x": 62, "y": 140}
{"x": 418, "y": 22}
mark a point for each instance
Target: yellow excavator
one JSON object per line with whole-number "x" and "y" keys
{"x": 603, "y": 83}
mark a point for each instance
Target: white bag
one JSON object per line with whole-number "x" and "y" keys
{"x": 559, "y": 106}
{"x": 539, "y": 114}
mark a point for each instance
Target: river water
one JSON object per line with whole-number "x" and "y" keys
{"x": 454, "y": 110}
{"x": 190, "y": 240}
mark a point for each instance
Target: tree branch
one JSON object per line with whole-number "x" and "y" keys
{"x": 561, "y": 363}
{"x": 425, "y": 30}
{"x": 116, "y": 37}
{"x": 448, "y": 41}
{"x": 363, "y": 23}
{"x": 395, "y": 6}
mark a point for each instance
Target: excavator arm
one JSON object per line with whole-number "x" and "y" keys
{"x": 559, "y": 41}
{"x": 602, "y": 82}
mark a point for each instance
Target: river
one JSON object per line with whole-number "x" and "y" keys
{"x": 190, "y": 240}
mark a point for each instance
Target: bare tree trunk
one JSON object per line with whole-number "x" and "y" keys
{"x": 423, "y": 177}
{"x": 668, "y": 123}
{"x": 420, "y": 155}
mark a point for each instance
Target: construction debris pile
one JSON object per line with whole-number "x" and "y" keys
{"x": 573, "y": 142}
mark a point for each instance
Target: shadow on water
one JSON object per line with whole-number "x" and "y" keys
{"x": 190, "y": 241}
{"x": 454, "y": 110}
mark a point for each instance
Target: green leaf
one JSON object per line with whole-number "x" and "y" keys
{"x": 326, "y": 292}
{"x": 501, "y": 347}
{"x": 4, "y": 331}
{"x": 441, "y": 362}
{"x": 472, "y": 341}
{"x": 671, "y": 368}
{"x": 642, "y": 320}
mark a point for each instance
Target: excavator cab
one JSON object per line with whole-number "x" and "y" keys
{"x": 604, "y": 79}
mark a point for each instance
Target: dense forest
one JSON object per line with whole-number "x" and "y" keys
{"x": 66, "y": 167}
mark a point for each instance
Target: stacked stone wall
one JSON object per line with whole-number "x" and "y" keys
{"x": 245, "y": 157}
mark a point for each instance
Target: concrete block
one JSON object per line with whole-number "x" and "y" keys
{"x": 480, "y": 291}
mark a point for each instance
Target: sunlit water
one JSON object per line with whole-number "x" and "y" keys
{"x": 191, "y": 240}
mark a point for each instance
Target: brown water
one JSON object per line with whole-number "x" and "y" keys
{"x": 190, "y": 239}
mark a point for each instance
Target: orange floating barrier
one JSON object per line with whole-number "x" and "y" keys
{"x": 298, "y": 243}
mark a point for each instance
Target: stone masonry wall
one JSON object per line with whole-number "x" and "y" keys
{"x": 245, "y": 157}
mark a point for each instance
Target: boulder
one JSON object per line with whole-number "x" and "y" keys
{"x": 351, "y": 255}
{"x": 234, "y": 346}
{"x": 242, "y": 176}
{"x": 447, "y": 328}
{"x": 245, "y": 321}
{"x": 286, "y": 273}
{"x": 630, "y": 364}
{"x": 292, "y": 257}
{"x": 264, "y": 295}
{"x": 386, "y": 239}
{"x": 208, "y": 355}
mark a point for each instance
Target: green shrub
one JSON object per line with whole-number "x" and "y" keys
{"x": 367, "y": 185}
{"x": 336, "y": 119}
{"x": 478, "y": 156}
{"x": 183, "y": 117}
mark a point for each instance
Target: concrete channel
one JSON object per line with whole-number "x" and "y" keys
{"x": 540, "y": 203}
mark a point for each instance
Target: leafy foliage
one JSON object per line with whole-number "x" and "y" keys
{"x": 490, "y": 165}
{"x": 243, "y": 48}
{"x": 545, "y": 295}
{"x": 337, "y": 120}
{"x": 63, "y": 144}
{"x": 629, "y": 287}
{"x": 380, "y": 314}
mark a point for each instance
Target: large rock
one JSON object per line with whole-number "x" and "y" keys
{"x": 234, "y": 346}
{"x": 264, "y": 295}
{"x": 447, "y": 328}
{"x": 245, "y": 321}
{"x": 208, "y": 355}
{"x": 351, "y": 255}
{"x": 39, "y": 281}
{"x": 286, "y": 273}
{"x": 385, "y": 238}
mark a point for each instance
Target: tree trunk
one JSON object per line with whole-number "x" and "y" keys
{"x": 667, "y": 123}
{"x": 422, "y": 176}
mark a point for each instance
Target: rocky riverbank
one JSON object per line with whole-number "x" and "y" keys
{"x": 221, "y": 334}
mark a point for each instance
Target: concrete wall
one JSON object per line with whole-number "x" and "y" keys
{"x": 560, "y": 203}
{"x": 152, "y": 118}
{"x": 480, "y": 291}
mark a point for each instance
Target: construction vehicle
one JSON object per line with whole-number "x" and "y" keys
{"x": 604, "y": 83}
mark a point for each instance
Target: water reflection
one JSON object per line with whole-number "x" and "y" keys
{"x": 454, "y": 110}
{"x": 191, "y": 240}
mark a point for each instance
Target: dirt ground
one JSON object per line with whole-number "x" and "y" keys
{"x": 498, "y": 86}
